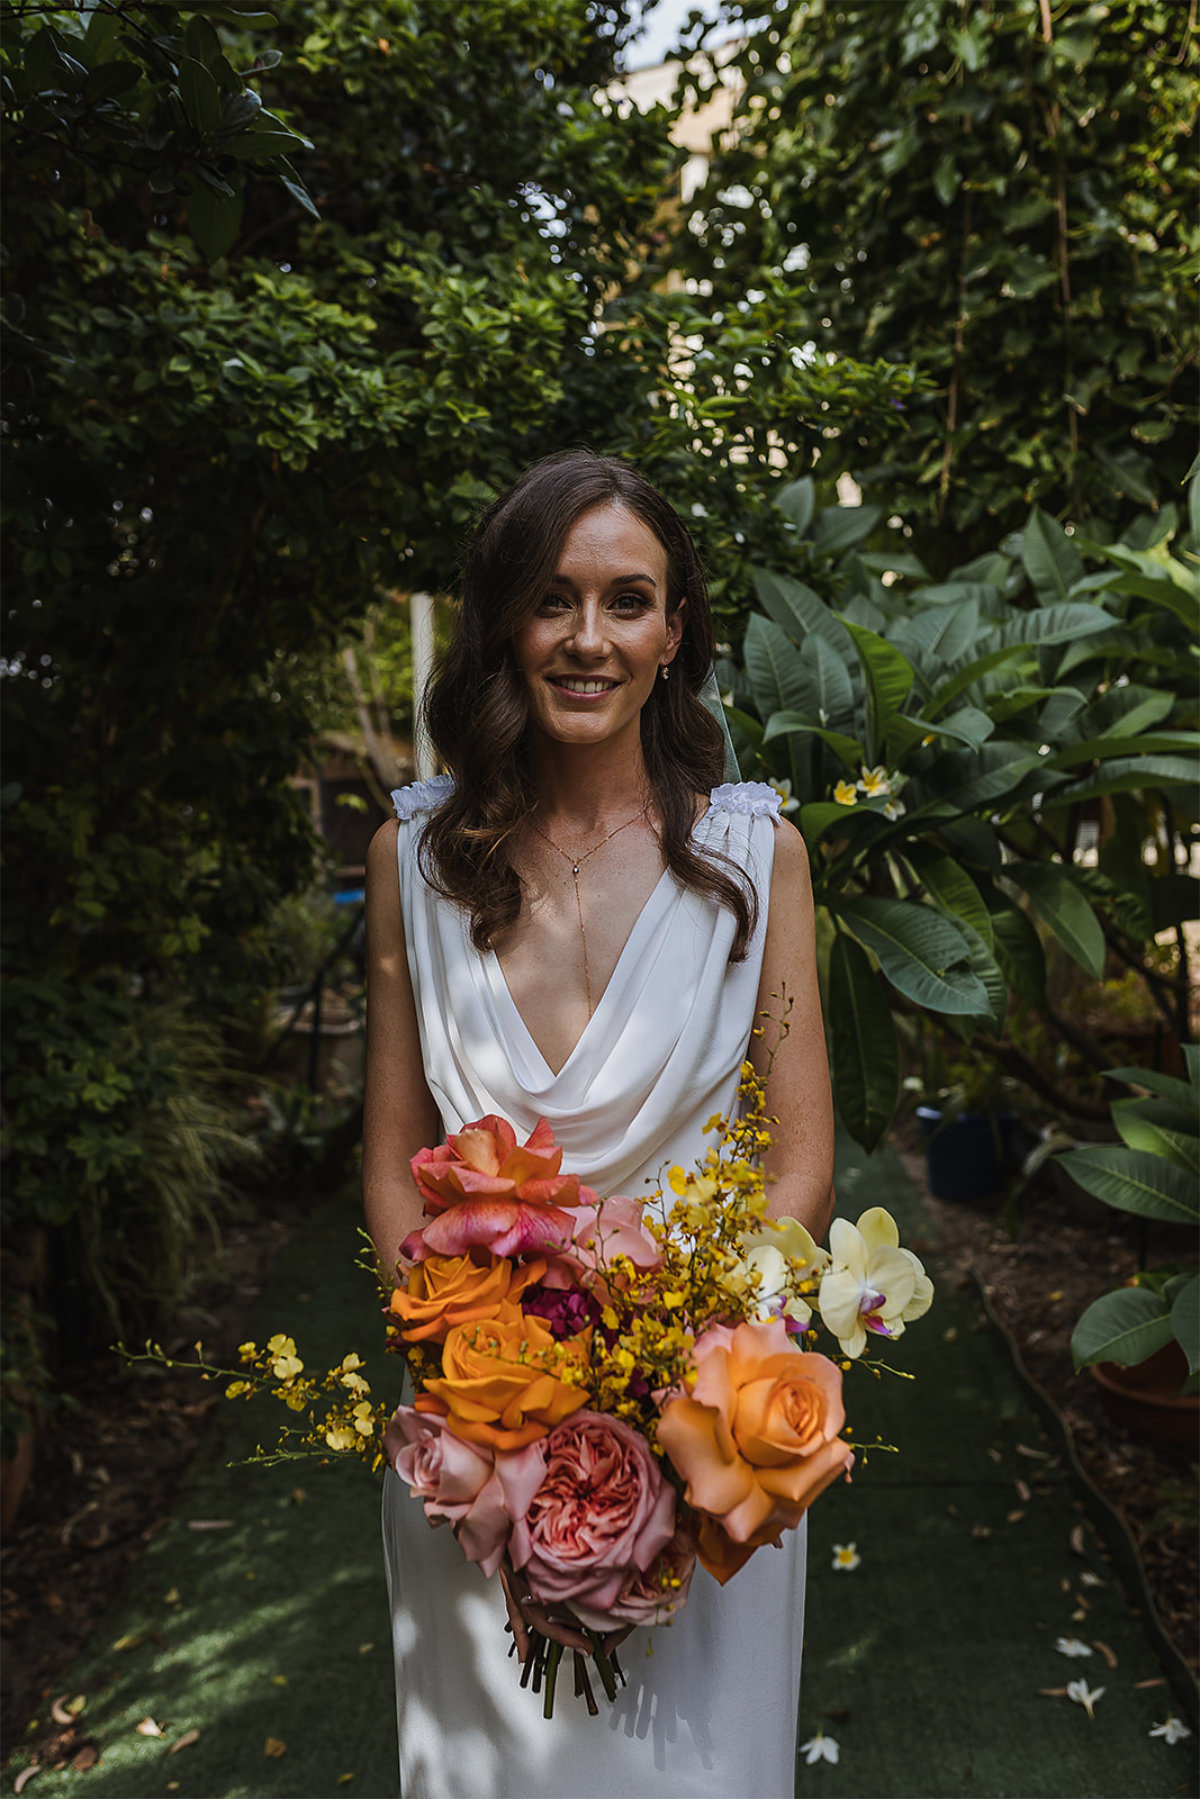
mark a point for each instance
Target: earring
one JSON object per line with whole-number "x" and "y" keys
{"x": 666, "y": 671}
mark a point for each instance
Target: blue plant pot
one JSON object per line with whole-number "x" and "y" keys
{"x": 965, "y": 1157}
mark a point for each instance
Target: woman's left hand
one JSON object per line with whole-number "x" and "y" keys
{"x": 525, "y": 1613}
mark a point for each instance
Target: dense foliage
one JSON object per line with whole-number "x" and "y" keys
{"x": 1003, "y": 191}
{"x": 947, "y": 742}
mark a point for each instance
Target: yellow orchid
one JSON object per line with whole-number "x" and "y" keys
{"x": 873, "y": 1284}
{"x": 845, "y": 793}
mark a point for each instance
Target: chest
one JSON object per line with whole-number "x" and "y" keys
{"x": 575, "y": 923}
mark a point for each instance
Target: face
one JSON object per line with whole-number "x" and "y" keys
{"x": 600, "y": 637}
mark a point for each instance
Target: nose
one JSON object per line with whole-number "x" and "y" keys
{"x": 589, "y": 638}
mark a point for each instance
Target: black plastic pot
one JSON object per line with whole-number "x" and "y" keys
{"x": 965, "y": 1156}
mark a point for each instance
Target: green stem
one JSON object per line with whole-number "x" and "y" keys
{"x": 552, "y": 1661}
{"x": 603, "y": 1666}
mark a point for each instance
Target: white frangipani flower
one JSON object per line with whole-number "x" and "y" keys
{"x": 1071, "y": 1646}
{"x": 873, "y": 1284}
{"x": 784, "y": 790}
{"x": 1173, "y": 1731}
{"x": 845, "y": 1557}
{"x": 819, "y": 1748}
{"x": 1083, "y": 1695}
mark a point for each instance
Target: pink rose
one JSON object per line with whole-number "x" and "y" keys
{"x": 479, "y": 1491}
{"x": 602, "y": 1510}
{"x": 649, "y": 1595}
{"x": 601, "y": 1233}
{"x": 484, "y": 1190}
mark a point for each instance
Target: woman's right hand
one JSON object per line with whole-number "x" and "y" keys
{"x": 525, "y": 1613}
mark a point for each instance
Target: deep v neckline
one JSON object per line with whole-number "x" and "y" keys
{"x": 500, "y": 979}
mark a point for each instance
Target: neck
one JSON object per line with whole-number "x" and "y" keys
{"x": 586, "y": 786}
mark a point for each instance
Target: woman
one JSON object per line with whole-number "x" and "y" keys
{"x": 581, "y": 924}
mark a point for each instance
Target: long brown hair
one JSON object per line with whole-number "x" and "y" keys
{"x": 476, "y": 710}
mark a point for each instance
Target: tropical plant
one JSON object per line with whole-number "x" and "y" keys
{"x": 1154, "y": 1174}
{"x": 940, "y": 742}
{"x": 1001, "y": 192}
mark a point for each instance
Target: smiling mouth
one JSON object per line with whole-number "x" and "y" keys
{"x": 577, "y": 684}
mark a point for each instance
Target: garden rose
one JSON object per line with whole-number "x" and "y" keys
{"x": 650, "y": 1595}
{"x": 756, "y": 1440}
{"x": 477, "y": 1490}
{"x": 443, "y": 1291}
{"x": 485, "y": 1190}
{"x": 501, "y": 1384}
{"x": 602, "y": 1511}
{"x": 614, "y": 1228}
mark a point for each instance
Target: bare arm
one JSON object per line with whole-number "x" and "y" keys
{"x": 798, "y": 1094}
{"x": 399, "y": 1114}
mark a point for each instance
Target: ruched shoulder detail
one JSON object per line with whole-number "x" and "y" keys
{"x": 753, "y": 797}
{"x": 421, "y": 796}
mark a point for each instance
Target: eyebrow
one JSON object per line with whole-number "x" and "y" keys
{"x": 617, "y": 581}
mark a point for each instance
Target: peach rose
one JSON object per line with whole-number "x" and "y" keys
{"x": 499, "y": 1384}
{"x": 445, "y": 1291}
{"x": 756, "y": 1440}
{"x": 483, "y": 1189}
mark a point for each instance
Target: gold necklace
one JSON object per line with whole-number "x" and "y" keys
{"x": 576, "y": 863}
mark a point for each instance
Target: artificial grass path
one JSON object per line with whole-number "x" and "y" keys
{"x": 258, "y": 1618}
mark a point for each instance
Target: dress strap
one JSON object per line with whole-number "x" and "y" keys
{"x": 421, "y": 796}
{"x": 755, "y": 797}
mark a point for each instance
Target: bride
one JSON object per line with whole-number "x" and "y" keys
{"x": 582, "y": 923}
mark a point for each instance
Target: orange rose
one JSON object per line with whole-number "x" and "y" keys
{"x": 449, "y": 1290}
{"x": 756, "y": 1440}
{"x": 499, "y": 1383}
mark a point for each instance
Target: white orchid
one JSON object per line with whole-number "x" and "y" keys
{"x": 1173, "y": 1731}
{"x": 1083, "y": 1695}
{"x": 872, "y": 1284}
{"x": 819, "y": 1749}
{"x": 1071, "y": 1646}
{"x": 781, "y": 1254}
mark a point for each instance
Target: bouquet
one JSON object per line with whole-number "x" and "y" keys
{"x": 606, "y": 1392}
{"x": 610, "y": 1391}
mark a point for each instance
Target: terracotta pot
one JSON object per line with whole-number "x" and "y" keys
{"x": 1146, "y": 1398}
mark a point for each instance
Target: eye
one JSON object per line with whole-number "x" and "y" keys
{"x": 553, "y": 602}
{"x": 631, "y": 603}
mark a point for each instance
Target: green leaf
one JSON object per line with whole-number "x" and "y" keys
{"x": 796, "y": 608}
{"x": 1185, "y": 1322}
{"x": 1051, "y": 561}
{"x": 946, "y": 177}
{"x": 1125, "y": 1327}
{"x": 1055, "y": 624}
{"x": 942, "y": 632}
{"x": 839, "y": 528}
{"x": 1018, "y": 950}
{"x": 1059, "y": 903}
{"x": 951, "y": 889}
{"x": 1129, "y": 1180}
{"x": 820, "y": 816}
{"x": 1002, "y": 766}
{"x": 864, "y": 1056}
{"x": 200, "y": 95}
{"x": 777, "y": 675}
{"x": 214, "y": 222}
{"x": 848, "y": 750}
{"x": 797, "y": 502}
{"x": 1166, "y": 1086}
{"x": 966, "y": 677}
{"x": 833, "y": 692}
{"x": 1139, "y": 1131}
{"x": 888, "y": 674}
{"x": 922, "y": 954}
{"x": 1132, "y": 774}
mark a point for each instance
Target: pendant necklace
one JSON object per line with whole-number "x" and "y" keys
{"x": 576, "y": 863}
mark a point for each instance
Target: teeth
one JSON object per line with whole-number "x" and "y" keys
{"x": 585, "y": 686}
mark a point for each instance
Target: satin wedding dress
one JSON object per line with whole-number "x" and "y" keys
{"x": 709, "y": 1711}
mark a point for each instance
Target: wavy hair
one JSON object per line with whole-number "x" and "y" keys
{"x": 476, "y": 710}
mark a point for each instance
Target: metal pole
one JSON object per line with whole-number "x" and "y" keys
{"x": 421, "y": 614}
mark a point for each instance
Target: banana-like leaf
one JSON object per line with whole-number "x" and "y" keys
{"x": 797, "y": 502}
{"x": 923, "y": 955}
{"x": 777, "y": 676}
{"x": 833, "y": 689}
{"x": 966, "y": 677}
{"x": 1166, "y": 1086}
{"x": 1131, "y": 774}
{"x": 839, "y": 528}
{"x": 1125, "y": 711}
{"x": 864, "y": 1057}
{"x": 822, "y": 816}
{"x": 1018, "y": 950}
{"x": 1130, "y": 1180}
{"x": 941, "y": 634}
{"x": 796, "y": 609}
{"x": 1051, "y": 561}
{"x": 951, "y": 889}
{"x": 1059, "y": 904}
{"x": 888, "y": 674}
{"x": 1097, "y": 748}
{"x": 1124, "y": 1327}
{"x": 1004, "y": 766}
{"x": 848, "y": 750}
{"x": 1062, "y": 623}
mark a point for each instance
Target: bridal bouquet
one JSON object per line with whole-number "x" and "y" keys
{"x": 608, "y": 1391}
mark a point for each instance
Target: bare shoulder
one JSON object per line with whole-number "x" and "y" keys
{"x": 791, "y": 858}
{"x": 381, "y": 851}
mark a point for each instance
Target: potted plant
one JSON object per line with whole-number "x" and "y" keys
{"x": 966, "y": 1119}
{"x": 1142, "y": 1342}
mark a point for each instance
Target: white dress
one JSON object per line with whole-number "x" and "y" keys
{"x": 709, "y": 1711}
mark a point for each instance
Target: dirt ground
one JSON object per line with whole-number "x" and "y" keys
{"x": 106, "y": 1477}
